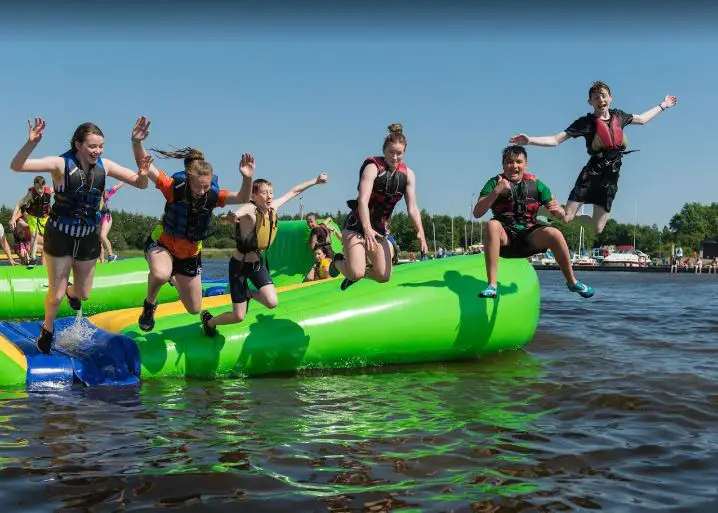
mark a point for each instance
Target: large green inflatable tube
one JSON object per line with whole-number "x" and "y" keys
{"x": 429, "y": 311}
{"x": 121, "y": 284}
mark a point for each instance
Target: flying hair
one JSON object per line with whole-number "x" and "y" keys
{"x": 194, "y": 163}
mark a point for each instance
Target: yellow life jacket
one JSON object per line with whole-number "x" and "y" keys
{"x": 265, "y": 231}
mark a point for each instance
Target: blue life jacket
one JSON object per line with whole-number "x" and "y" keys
{"x": 187, "y": 217}
{"x": 78, "y": 201}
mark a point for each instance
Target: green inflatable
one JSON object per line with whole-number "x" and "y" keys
{"x": 429, "y": 311}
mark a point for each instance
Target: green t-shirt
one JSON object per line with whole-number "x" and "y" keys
{"x": 504, "y": 204}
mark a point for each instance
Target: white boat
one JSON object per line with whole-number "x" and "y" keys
{"x": 626, "y": 258}
{"x": 583, "y": 261}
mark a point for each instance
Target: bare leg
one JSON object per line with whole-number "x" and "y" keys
{"x": 190, "y": 292}
{"x": 354, "y": 264}
{"x": 160, "y": 262}
{"x": 600, "y": 218}
{"x": 58, "y": 274}
{"x": 495, "y": 237}
{"x": 549, "y": 237}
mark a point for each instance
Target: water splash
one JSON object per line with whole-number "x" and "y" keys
{"x": 76, "y": 334}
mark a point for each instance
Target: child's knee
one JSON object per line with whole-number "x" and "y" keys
{"x": 384, "y": 278}
{"x": 494, "y": 227}
{"x": 271, "y": 303}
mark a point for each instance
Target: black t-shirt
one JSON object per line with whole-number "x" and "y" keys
{"x": 585, "y": 126}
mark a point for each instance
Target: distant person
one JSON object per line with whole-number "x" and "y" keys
{"x": 6, "y": 246}
{"x": 320, "y": 236}
{"x": 514, "y": 198}
{"x": 106, "y": 223}
{"x": 21, "y": 238}
{"x": 383, "y": 181}
{"x": 37, "y": 205}
{"x": 606, "y": 143}
{"x": 256, "y": 225}
{"x": 320, "y": 269}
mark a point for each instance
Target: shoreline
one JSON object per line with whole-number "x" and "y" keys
{"x": 605, "y": 268}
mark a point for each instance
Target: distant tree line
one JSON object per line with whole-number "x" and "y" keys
{"x": 693, "y": 224}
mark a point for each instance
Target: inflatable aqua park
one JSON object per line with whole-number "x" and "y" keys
{"x": 428, "y": 312}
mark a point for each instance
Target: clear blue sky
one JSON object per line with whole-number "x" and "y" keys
{"x": 312, "y": 101}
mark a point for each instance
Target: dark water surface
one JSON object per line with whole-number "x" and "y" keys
{"x": 613, "y": 406}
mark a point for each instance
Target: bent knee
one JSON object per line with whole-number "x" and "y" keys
{"x": 383, "y": 278}
{"x": 271, "y": 303}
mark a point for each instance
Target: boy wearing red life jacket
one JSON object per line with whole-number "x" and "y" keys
{"x": 514, "y": 198}
{"x": 606, "y": 143}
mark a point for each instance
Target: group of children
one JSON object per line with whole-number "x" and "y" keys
{"x": 73, "y": 224}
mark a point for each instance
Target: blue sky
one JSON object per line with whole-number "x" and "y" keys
{"x": 317, "y": 101}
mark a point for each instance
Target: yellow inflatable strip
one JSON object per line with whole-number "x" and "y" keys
{"x": 117, "y": 320}
{"x": 12, "y": 352}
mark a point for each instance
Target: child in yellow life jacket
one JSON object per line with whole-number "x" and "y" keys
{"x": 320, "y": 269}
{"x": 606, "y": 143}
{"x": 256, "y": 227}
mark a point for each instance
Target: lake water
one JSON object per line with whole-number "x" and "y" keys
{"x": 613, "y": 406}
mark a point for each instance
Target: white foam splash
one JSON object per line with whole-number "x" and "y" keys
{"x": 77, "y": 333}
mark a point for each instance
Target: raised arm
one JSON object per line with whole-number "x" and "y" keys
{"x": 246, "y": 168}
{"x": 22, "y": 163}
{"x": 139, "y": 133}
{"x": 547, "y": 140}
{"x": 298, "y": 189}
{"x": 413, "y": 210}
{"x": 642, "y": 119}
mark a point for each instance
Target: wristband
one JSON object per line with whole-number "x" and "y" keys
{"x": 661, "y": 106}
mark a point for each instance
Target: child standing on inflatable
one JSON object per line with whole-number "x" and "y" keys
{"x": 106, "y": 223}
{"x": 320, "y": 235}
{"x": 72, "y": 240}
{"x": 514, "y": 198}
{"x": 255, "y": 229}
{"x": 174, "y": 249}
{"x": 37, "y": 203}
{"x": 383, "y": 181}
{"x": 606, "y": 144}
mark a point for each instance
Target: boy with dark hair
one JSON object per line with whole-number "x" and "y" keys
{"x": 606, "y": 143}
{"x": 514, "y": 198}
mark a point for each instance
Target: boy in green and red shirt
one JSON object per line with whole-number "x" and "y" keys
{"x": 514, "y": 198}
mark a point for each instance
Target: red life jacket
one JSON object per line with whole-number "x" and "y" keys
{"x": 39, "y": 205}
{"x": 387, "y": 191}
{"x": 520, "y": 205}
{"x": 610, "y": 137}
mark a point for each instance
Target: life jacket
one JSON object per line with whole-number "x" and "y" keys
{"x": 320, "y": 269}
{"x": 77, "y": 200}
{"x": 386, "y": 192}
{"x": 323, "y": 237}
{"x": 39, "y": 204}
{"x": 265, "y": 231}
{"x": 187, "y": 217}
{"x": 609, "y": 136}
{"x": 520, "y": 206}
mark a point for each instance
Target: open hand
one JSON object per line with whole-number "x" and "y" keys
{"x": 520, "y": 139}
{"x": 141, "y": 129}
{"x": 669, "y": 101}
{"x": 246, "y": 165}
{"x": 35, "y": 130}
{"x": 144, "y": 167}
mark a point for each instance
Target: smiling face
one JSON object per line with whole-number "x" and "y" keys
{"x": 393, "y": 154}
{"x": 90, "y": 148}
{"x": 319, "y": 255}
{"x": 311, "y": 221}
{"x": 514, "y": 163}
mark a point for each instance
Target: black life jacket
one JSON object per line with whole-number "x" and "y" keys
{"x": 39, "y": 204}
{"x": 77, "y": 200}
{"x": 520, "y": 205}
{"x": 387, "y": 191}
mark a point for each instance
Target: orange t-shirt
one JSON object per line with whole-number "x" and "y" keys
{"x": 178, "y": 246}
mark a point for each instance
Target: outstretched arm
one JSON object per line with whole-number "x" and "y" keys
{"x": 137, "y": 179}
{"x": 642, "y": 119}
{"x": 413, "y": 210}
{"x": 22, "y": 162}
{"x": 547, "y": 140}
{"x": 298, "y": 189}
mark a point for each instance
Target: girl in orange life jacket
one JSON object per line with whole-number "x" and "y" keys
{"x": 606, "y": 143}
{"x": 37, "y": 202}
{"x": 71, "y": 240}
{"x": 256, "y": 226}
{"x": 175, "y": 249}
{"x": 514, "y": 198}
{"x": 383, "y": 181}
